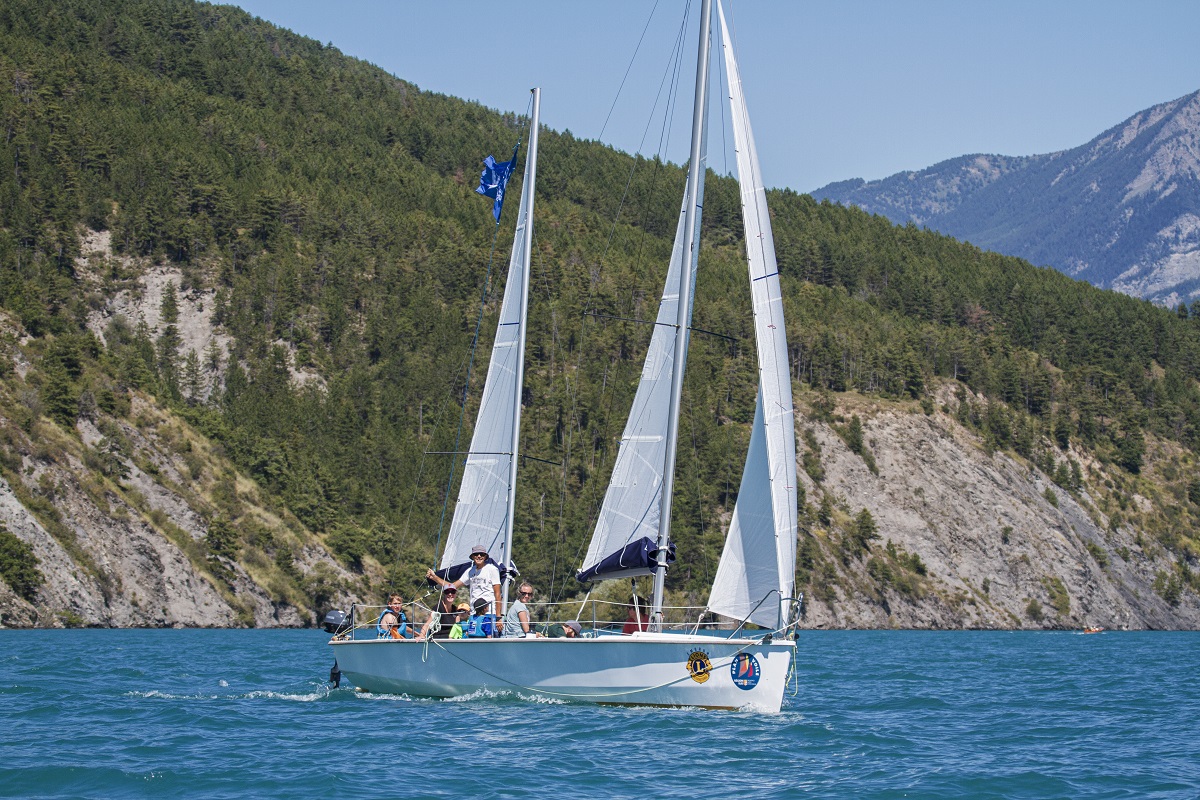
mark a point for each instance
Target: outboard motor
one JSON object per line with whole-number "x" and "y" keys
{"x": 334, "y": 621}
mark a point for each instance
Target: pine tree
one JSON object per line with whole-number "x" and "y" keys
{"x": 193, "y": 378}
{"x": 864, "y": 530}
{"x": 212, "y": 357}
{"x": 60, "y": 398}
{"x": 854, "y": 435}
{"x": 19, "y": 565}
{"x": 168, "y": 344}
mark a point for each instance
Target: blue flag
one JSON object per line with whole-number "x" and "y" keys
{"x": 495, "y": 178}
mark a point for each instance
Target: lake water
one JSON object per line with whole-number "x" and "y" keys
{"x": 184, "y": 713}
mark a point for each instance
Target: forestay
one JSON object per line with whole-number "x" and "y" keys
{"x": 760, "y": 550}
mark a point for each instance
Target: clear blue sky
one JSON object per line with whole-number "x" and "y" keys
{"x": 836, "y": 90}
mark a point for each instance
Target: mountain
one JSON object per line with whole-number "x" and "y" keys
{"x": 240, "y": 277}
{"x": 1121, "y": 212}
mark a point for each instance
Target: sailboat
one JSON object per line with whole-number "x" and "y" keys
{"x": 754, "y": 583}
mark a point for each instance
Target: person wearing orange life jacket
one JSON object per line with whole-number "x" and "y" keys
{"x": 393, "y": 622}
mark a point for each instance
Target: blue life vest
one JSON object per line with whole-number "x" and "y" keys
{"x": 401, "y": 625}
{"x": 479, "y": 626}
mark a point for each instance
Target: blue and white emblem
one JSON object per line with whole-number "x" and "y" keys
{"x": 745, "y": 671}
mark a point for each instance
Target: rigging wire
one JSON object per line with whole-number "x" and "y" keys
{"x": 670, "y": 82}
{"x": 552, "y": 303}
{"x": 611, "y": 108}
{"x": 671, "y": 72}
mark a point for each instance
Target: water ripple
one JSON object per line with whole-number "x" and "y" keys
{"x": 876, "y": 715}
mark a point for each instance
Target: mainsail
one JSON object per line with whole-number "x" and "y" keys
{"x": 755, "y": 577}
{"x": 625, "y": 541}
{"x": 623, "y": 544}
{"x": 760, "y": 550}
{"x": 483, "y": 513}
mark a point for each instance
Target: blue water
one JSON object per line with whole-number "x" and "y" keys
{"x": 99, "y": 713}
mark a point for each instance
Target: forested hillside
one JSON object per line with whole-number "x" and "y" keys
{"x": 318, "y": 216}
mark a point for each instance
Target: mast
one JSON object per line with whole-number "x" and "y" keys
{"x": 683, "y": 316}
{"x": 527, "y": 233}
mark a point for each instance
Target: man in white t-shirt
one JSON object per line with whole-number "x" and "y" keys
{"x": 483, "y": 580}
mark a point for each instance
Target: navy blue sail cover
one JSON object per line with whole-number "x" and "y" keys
{"x": 635, "y": 558}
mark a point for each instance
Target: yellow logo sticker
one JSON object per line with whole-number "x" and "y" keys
{"x": 699, "y": 666}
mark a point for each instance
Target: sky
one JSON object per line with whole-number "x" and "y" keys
{"x": 836, "y": 90}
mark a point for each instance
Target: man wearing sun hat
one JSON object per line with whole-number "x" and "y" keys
{"x": 483, "y": 579}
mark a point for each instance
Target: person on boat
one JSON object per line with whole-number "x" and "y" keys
{"x": 482, "y": 578}
{"x": 481, "y": 625}
{"x": 516, "y": 621}
{"x": 636, "y": 620}
{"x": 393, "y": 622}
{"x": 461, "y": 612}
{"x": 564, "y": 630}
{"x": 445, "y": 615}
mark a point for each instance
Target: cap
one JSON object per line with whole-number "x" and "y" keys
{"x": 480, "y": 605}
{"x": 479, "y": 549}
{"x": 573, "y": 625}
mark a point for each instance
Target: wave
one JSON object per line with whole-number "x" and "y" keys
{"x": 259, "y": 694}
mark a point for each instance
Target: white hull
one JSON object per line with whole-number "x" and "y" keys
{"x": 643, "y": 669}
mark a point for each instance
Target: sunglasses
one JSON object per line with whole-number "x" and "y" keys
{"x": 524, "y": 594}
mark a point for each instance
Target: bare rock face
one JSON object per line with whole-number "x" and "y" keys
{"x": 117, "y": 511}
{"x": 111, "y": 562}
{"x": 131, "y": 575}
{"x": 14, "y": 611}
{"x": 142, "y": 302}
{"x": 998, "y": 553}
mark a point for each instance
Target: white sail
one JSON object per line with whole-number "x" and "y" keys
{"x": 760, "y": 549}
{"x": 629, "y": 531}
{"x": 483, "y": 512}
{"x": 632, "y": 502}
{"x": 656, "y": 667}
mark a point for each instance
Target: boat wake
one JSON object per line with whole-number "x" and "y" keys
{"x": 295, "y": 697}
{"x": 491, "y": 694}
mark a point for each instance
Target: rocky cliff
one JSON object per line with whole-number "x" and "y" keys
{"x": 969, "y": 538}
{"x": 135, "y": 550}
{"x": 134, "y": 517}
{"x": 964, "y": 537}
{"x": 239, "y": 279}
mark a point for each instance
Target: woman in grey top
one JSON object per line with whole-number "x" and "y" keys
{"x": 516, "y": 621}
